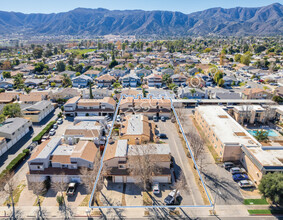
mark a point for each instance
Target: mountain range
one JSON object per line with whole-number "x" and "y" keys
{"x": 267, "y": 20}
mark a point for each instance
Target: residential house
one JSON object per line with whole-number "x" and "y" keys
{"x": 119, "y": 73}
{"x": 168, "y": 71}
{"x": 130, "y": 80}
{"x": 85, "y": 130}
{"x": 149, "y": 107}
{"x": 13, "y": 129}
{"x": 92, "y": 73}
{"x": 230, "y": 80}
{"x": 7, "y": 97}
{"x": 71, "y": 105}
{"x": 192, "y": 93}
{"x": 33, "y": 97}
{"x": 7, "y": 83}
{"x": 33, "y": 82}
{"x": 81, "y": 81}
{"x": 71, "y": 74}
{"x": 57, "y": 79}
{"x": 179, "y": 79}
{"x": 38, "y": 111}
{"x": 143, "y": 72}
{"x": 256, "y": 93}
{"x": 279, "y": 91}
{"x": 96, "y": 107}
{"x": 137, "y": 129}
{"x": 61, "y": 161}
{"x": 119, "y": 154}
{"x": 105, "y": 80}
{"x": 154, "y": 80}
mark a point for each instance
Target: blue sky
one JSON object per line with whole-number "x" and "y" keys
{"x": 186, "y": 6}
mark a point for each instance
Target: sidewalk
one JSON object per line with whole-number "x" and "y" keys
{"x": 131, "y": 213}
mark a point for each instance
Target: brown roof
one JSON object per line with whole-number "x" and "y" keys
{"x": 63, "y": 159}
{"x": 73, "y": 100}
{"x": 110, "y": 151}
{"x": 105, "y": 77}
{"x": 82, "y": 132}
{"x": 144, "y": 121}
{"x": 93, "y": 102}
{"x": 253, "y": 90}
{"x": 33, "y": 96}
{"x": 85, "y": 150}
{"x": 92, "y": 72}
{"x": 7, "y": 97}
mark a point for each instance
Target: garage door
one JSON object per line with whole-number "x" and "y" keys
{"x": 118, "y": 179}
{"x": 76, "y": 179}
{"x": 130, "y": 179}
{"x": 80, "y": 114}
{"x": 161, "y": 179}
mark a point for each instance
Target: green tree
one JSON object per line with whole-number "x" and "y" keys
{"x": 148, "y": 49}
{"x": 12, "y": 110}
{"x": 60, "y": 66}
{"x": 2, "y": 118}
{"x": 53, "y": 84}
{"x": 246, "y": 59}
{"x": 271, "y": 187}
{"x": 78, "y": 73}
{"x": 37, "y": 52}
{"x": 207, "y": 50}
{"x": 41, "y": 67}
{"x": 166, "y": 79}
{"x": 90, "y": 92}
{"x": 238, "y": 57}
{"x": 66, "y": 81}
{"x": 6, "y": 74}
{"x": 79, "y": 68}
{"x": 261, "y": 135}
{"x": 18, "y": 81}
{"x": 27, "y": 90}
{"x": 277, "y": 99}
{"x": 116, "y": 85}
{"x": 113, "y": 64}
{"x": 221, "y": 82}
{"x": 48, "y": 53}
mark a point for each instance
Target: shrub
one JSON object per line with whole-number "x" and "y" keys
{"x": 44, "y": 130}
{"x": 26, "y": 151}
{"x": 60, "y": 200}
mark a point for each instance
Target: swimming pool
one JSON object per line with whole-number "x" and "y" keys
{"x": 271, "y": 133}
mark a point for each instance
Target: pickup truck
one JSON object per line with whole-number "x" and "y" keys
{"x": 71, "y": 189}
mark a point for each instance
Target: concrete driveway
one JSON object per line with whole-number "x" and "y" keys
{"x": 193, "y": 196}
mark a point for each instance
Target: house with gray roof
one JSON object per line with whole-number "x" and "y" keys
{"x": 38, "y": 111}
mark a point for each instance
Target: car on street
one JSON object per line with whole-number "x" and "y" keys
{"x": 155, "y": 118}
{"x": 228, "y": 165}
{"x": 52, "y": 132}
{"x": 118, "y": 118}
{"x": 55, "y": 126}
{"x": 155, "y": 188}
{"x": 162, "y": 136}
{"x": 248, "y": 86}
{"x": 170, "y": 199}
{"x": 239, "y": 177}
{"x": 237, "y": 170}
{"x": 245, "y": 183}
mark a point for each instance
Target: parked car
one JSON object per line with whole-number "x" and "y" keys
{"x": 170, "y": 199}
{"x": 118, "y": 118}
{"x": 155, "y": 188}
{"x": 239, "y": 177}
{"x": 155, "y": 118}
{"x": 32, "y": 146}
{"x": 60, "y": 121}
{"x": 246, "y": 183}
{"x": 248, "y": 86}
{"x": 237, "y": 170}
{"x": 163, "y": 118}
{"x": 228, "y": 165}
{"x": 71, "y": 189}
{"x": 162, "y": 136}
{"x": 52, "y": 132}
{"x": 55, "y": 126}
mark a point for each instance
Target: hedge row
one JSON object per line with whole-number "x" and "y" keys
{"x": 14, "y": 163}
{"x": 45, "y": 130}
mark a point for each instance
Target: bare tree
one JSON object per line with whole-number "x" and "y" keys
{"x": 38, "y": 189}
{"x": 180, "y": 183}
{"x": 142, "y": 164}
{"x": 245, "y": 113}
{"x": 181, "y": 114}
{"x": 60, "y": 185}
{"x": 8, "y": 186}
{"x": 88, "y": 176}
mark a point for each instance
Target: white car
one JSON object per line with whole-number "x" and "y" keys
{"x": 52, "y": 132}
{"x": 118, "y": 118}
{"x": 237, "y": 170}
{"x": 155, "y": 188}
{"x": 55, "y": 126}
{"x": 246, "y": 183}
{"x": 172, "y": 193}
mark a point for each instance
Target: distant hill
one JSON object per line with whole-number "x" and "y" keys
{"x": 267, "y": 20}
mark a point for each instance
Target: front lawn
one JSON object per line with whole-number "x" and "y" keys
{"x": 265, "y": 212}
{"x": 255, "y": 202}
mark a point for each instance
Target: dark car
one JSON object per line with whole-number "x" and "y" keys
{"x": 162, "y": 136}
{"x": 228, "y": 165}
{"x": 239, "y": 177}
